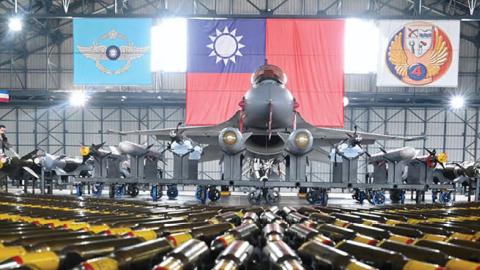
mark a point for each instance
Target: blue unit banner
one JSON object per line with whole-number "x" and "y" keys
{"x": 111, "y": 51}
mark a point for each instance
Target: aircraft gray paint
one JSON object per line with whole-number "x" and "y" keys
{"x": 266, "y": 127}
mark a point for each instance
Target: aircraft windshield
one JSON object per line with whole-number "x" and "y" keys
{"x": 269, "y": 72}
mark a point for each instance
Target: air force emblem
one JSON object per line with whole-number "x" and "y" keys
{"x": 419, "y": 53}
{"x": 112, "y": 52}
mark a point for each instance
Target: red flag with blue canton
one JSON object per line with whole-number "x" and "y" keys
{"x": 223, "y": 54}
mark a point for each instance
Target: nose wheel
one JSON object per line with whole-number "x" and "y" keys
{"x": 270, "y": 196}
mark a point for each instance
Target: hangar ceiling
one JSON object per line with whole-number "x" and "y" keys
{"x": 37, "y": 64}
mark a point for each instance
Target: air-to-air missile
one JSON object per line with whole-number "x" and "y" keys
{"x": 14, "y": 167}
{"x": 63, "y": 165}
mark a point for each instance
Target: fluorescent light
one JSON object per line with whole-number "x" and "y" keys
{"x": 169, "y": 45}
{"x": 15, "y": 24}
{"x": 457, "y": 102}
{"x": 78, "y": 99}
{"x": 345, "y": 101}
{"x": 361, "y": 46}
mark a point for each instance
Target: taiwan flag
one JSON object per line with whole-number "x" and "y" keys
{"x": 223, "y": 54}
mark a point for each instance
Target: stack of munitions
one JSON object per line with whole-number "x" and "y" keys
{"x": 47, "y": 232}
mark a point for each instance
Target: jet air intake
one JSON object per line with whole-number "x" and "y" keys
{"x": 231, "y": 140}
{"x": 299, "y": 142}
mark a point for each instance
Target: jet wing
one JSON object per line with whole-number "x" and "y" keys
{"x": 199, "y": 134}
{"x": 211, "y": 152}
{"x": 318, "y": 154}
{"x": 330, "y": 136}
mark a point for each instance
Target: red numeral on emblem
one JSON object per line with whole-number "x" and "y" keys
{"x": 417, "y": 71}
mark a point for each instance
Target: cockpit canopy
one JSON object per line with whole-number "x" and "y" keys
{"x": 269, "y": 72}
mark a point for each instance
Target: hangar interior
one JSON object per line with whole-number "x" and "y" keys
{"x": 261, "y": 200}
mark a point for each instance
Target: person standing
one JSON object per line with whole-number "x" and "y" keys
{"x": 3, "y": 139}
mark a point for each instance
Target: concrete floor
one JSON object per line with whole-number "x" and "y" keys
{"x": 336, "y": 198}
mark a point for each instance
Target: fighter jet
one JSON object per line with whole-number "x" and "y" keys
{"x": 267, "y": 127}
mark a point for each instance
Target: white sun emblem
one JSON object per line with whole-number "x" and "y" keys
{"x": 225, "y": 45}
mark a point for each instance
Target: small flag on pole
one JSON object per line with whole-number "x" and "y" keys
{"x": 4, "y": 96}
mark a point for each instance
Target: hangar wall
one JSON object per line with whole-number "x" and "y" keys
{"x": 62, "y": 129}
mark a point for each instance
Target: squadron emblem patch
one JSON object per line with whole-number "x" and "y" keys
{"x": 112, "y": 52}
{"x": 419, "y": 53}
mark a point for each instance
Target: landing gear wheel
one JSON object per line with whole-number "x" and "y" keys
{"x": 172, "y": 192}
{"x": 132, "y": 190}
{"x": 254, "y": 197}
{"x": 378, "y": 198}
{"x": 97, "y": 189}
{"x": 272, "y": 196}
{"x": 213, "y": 194}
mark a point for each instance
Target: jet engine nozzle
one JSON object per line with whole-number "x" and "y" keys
{"x": 299, "y": 142}
{"x": 231, "y": 140}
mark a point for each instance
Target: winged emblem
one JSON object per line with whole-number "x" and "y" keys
{"x": 413, "y": 66}
{"x": 101, "y": 53}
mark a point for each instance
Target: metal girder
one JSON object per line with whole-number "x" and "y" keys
{"x": 127, "y": 99}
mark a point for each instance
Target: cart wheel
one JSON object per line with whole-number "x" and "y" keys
{"x": 79, "y": 190}
{"x": 132, "y": 190}
{"x": 272, "y": 196}
{"x": 120, "y": 190}
{"x": 198, "y": 193}
{"x": 434, "y": 195}
{"x": 172, "y": 192}
{"x": 323, "y": 198}
{"x": 97, "y": 189}
{"x": 445, "y": 197}
{"x": 213, "y": 194}
{"x": 154, "y": 193}
{"x": 111, "y": 191}
{"x": 396, "y": 195}
{"x": 378, "y": 198}
{"x": 311, "y": 196}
